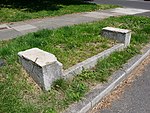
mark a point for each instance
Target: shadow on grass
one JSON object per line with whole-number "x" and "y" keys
{"x": 38, "y": 5}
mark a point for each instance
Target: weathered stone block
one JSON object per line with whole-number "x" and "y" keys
{"x": 42, "y": 66}
{"x": 121, "y": 35}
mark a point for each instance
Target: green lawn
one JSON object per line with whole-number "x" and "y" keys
{"x": 18, "y": 93}
{"x": 20, "y": 10}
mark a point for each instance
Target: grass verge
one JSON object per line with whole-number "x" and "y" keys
{"x": 19, "y": 10}
{"x": 19, "y": 94}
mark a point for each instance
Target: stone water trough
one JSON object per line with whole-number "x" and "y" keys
{"x": 44, "y": 67}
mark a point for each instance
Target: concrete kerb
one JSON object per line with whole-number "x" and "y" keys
{"x": 98, "y": 93}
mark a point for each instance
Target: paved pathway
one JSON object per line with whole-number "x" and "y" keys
{"x": 12, "y": 30}
{"x": 136, "y": 98}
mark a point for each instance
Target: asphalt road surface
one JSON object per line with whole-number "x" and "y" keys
{"x": 141, "y": 4}
{"x": 135, "y": 97}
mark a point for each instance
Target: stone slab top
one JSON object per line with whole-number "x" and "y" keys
{"x": 117, "y": 29}
{"x": 38, "y": 56}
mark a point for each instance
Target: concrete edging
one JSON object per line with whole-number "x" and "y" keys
{"x": 90, "y": 62}
{"x": 100, "y": 91}
{"x": 44, "y": 72}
